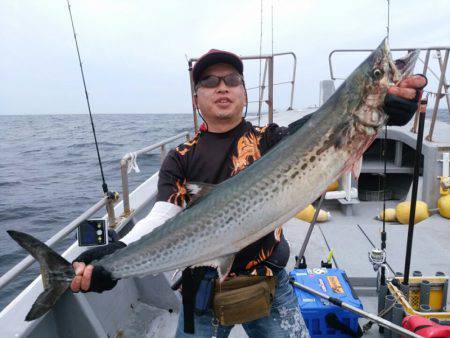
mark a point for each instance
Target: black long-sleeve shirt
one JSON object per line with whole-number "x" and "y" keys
{"x": 213, "y": 158}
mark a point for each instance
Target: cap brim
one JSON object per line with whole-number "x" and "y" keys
{"x": 214, "y": 58}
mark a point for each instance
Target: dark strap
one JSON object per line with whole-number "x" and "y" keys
{"x": 187, "y": 295}
{"x": 333, "y": 321}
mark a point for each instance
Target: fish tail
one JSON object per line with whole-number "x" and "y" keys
{"x": 56, "y": 272}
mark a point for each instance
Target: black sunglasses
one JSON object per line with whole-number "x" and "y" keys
{"x": 212, "y": 81}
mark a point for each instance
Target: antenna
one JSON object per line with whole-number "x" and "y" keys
{"x": 271, "y": 21}
{"x": 388, "y": 18}
{"x": 260, "y": 60}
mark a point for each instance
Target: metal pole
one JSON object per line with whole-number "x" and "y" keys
{"x": 125, "y": 190}
{"x": 261, "y": 91}
{"x": 110, "y": 210}
{"x": 362, "y": 313}
{"x": 438, "y": 97}
{"x": 293, "y": 82}
{"x": 412, "y": 214}
{"x": 163, "y": 153}
{"x": 441, "y": 67}
{"x": 27, "y": 261}
{"x": 194, "y": 110}
{"x": 310, "y": 230}
{"x": 270, "y": 100}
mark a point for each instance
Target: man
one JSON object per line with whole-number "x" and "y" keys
{"x": 225, "y": 145}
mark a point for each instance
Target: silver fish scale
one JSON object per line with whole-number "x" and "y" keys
{"x": 271, "y": 191}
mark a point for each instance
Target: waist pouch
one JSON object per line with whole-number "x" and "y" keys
{"x": 243, "y": 299}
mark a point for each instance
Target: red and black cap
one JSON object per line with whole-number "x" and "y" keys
{"x": 216, "y": 56}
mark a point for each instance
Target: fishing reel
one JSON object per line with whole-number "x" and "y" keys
{"x": 377, "y": 258}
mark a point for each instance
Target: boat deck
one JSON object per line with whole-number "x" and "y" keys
{"x": 351, "y": 239}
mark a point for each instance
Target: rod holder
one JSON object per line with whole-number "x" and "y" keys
{"x": 397, "y": 318}
{"x": 389, "y": 300}
{"x": 404, "y": 288}
{"x": 425, "y": 287}
{"x": 444, "y": 291}
{"x": 424, "y": 308}
{"x": 382, "y": 297}
{"x": 382, "y": 292}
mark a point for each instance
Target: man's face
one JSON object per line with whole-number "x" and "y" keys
{"x": 221, "y": 102}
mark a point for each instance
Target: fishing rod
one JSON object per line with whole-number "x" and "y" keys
{"x": 380, "y": 321}
{"x": 104, "y": 185}
{"x": 384, "y": 147}
{"x": 300, "y": 259}
{"x": 412, "y": 213}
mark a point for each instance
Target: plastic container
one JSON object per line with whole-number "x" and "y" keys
{"x": 334, "y": 283}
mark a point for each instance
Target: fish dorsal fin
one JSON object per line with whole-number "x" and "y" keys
{"x": 197, "y": 190}
{"x": 296, "y": 125}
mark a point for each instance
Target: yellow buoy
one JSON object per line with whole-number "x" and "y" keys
{"x": 307, "y": 214}
{"x": 444, "y": 206}
{"x": 404, "y": 208}
{"x": 444, "y": 188}
{"x": 391, "y": 215}
{"x": 323, "y": 216}
{"x": 333, "y": 186}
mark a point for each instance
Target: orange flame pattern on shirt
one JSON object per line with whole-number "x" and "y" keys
{"x": 180, "y": 194}
{"x": 185, "y": 147}
{"x": 247, "y": 152}
{"x": 263, "y": 255}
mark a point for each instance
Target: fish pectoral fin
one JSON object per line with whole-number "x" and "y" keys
{"x": 355, "y": 168}
{"x": 196, "y": 190}
{"x": 223, "y": 265}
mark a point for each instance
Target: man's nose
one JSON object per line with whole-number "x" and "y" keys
{"x": 222, "y": 87}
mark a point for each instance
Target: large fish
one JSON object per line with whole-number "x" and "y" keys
{"x": 239, "y": 211}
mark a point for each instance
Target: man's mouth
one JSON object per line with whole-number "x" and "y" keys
{"x": 223, "y": 102}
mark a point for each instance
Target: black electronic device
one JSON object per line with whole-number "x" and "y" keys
{"x": 93, "y": 232}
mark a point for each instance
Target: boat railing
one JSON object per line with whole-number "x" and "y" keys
{"x": 267, "y": 74}
{"x": 104, "y": 202}
{"x": 442, "y": 85}
{"x": 55, "y": 239}
{"x": 132, "y": 157}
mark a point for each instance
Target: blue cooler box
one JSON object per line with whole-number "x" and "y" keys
{"x": 334, "y": 283}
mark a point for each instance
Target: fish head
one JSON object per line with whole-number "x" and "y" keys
{"x": 367, "y": 86}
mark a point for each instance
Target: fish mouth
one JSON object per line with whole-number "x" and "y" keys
{"x": 403, "y": 67}
{"x": 384, "y": 72}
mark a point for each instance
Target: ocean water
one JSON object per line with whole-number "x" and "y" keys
{"x": 49, "y": 172}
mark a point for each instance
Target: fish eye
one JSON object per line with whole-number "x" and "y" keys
{"x": 377, "y": 73}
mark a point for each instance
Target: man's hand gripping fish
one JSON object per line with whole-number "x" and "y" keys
{"x": 225, "y": 219}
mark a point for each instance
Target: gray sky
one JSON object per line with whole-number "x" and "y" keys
{"x": 134, "y": 51}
